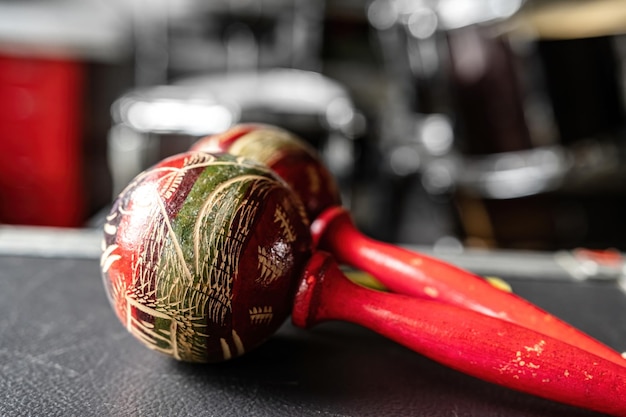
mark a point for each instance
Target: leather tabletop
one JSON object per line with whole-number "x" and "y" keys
{"x": 63, "y": 353}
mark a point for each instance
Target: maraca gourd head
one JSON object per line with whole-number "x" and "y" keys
{"x": 202, "y": 255}
{"x": 294, "y": 160}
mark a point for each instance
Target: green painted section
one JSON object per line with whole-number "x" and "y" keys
{"x": 208, "y": 292}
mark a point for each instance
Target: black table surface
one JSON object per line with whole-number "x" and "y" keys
{"x": 64, "y": 353}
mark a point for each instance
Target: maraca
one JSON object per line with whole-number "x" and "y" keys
{"x": 400, "y": 270}
{"x": 178, "y": 238}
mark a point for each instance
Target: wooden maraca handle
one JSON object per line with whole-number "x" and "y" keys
{"x": 415, "y": 274}
{"x": 399, "y": 270}
{"x": 488, "y": 348}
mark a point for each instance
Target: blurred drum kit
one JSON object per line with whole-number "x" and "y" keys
{"x": 515, "y": 111}
{"x": 505, "y": 118}
{"x": 224, "y": 63}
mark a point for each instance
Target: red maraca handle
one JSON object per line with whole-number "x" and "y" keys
{"x": 411, "y": 273}
{"x": 485, "y": 347}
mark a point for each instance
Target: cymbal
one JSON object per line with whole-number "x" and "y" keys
{"x": 567, "y": 19}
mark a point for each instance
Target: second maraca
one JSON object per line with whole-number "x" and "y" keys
{"x": 400, "y": 270}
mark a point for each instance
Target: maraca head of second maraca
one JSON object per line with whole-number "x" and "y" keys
{"x": 202, "y": 255}
{"x": 293, "y": 159}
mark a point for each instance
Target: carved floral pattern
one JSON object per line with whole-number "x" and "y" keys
{"x": 183, "y": 241}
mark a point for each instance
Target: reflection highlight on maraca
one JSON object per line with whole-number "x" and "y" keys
{"x": 206, "y": 255}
